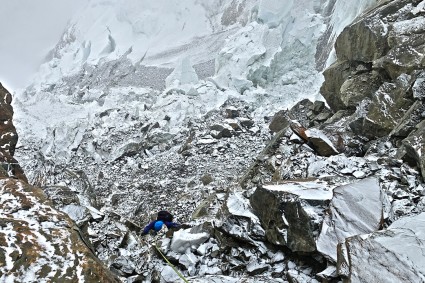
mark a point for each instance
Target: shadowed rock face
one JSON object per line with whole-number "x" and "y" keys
{"x": 8, "y": 138}
{"x": 294, "y": 212}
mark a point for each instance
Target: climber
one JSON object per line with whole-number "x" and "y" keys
{"x": 163, "y": 218}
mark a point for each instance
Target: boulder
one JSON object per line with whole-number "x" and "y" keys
{"x": 41, "y": 243}
{"x": 355, "y": 208}
{"x": 291, "y": 213}
{"x": 232, "y": 112}
{"x": 279, "y": 121}
{"x": 398, "y": 251}
{"x": 320, "y": 142}
{"x": 239, "y": 221}
{"x": 221, "y": 131}
{"x": 130, "y": 148}
{"x": 419, "y": 87}
{"x": 245, "y": 122}
{"x": 378, "y": 116}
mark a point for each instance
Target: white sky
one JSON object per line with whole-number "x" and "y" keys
{"x": 28, "y": 30}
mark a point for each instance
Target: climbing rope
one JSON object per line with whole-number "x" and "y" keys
{"x": 163, "y": 256}
{"x": 171, "y": 265}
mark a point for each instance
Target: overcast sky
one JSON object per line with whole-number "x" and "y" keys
{"x": 28, "y": 30}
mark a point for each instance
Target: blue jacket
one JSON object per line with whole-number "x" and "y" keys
{"x": 152, "y": 224}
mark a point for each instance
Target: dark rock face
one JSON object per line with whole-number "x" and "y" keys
{"x": 294, "y": 213}
{"x": 8, "y": 137}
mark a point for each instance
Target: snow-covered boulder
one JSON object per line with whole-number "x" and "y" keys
{"x": 183, "y": 240}
{"x": 355, "y": 209}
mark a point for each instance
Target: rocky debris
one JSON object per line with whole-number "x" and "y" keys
{"x": 399, "y": 249}
{"x": 8, "y": 138}
{"x": 46, "y": 245}
{"x": 355, "y": 209}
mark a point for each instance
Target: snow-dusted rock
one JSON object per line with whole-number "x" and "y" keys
{"x": 168, "y": 275}
{"x": 257, "y": 267}
{"x": 355, "y": 208}
{"x": 47, "y": 239}
{"x": 291, "y": 212}
{"x": 184, "y": 240}
{"x": 398, "y": 251}
{"x": 221, "y": 131}
{"x": 189, "y": 261}
{"x": 411, "y": 118}
{"x": 418, "y": 87}
{"x": 239, "y": 220}
{"x": 279, "y": 121}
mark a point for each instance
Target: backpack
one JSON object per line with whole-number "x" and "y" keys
{"x": 165, "y": 216}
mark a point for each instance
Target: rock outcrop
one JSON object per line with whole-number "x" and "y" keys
{"x": 380, "y": 77}
{"x": 8, "y": 138}
{"x": 40, "y": 243}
